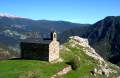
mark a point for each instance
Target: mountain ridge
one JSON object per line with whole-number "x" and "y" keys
{"x": 14, "y": 30}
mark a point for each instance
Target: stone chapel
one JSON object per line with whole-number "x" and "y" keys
{"x": 41, "y": 49}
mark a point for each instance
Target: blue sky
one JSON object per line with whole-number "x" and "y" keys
{"x": 78, "y": 11}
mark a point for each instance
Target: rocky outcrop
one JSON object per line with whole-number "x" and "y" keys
{"x": 103, "y": 66}
{"x": 62, "y": 72}
{"x": 87, "y": 48}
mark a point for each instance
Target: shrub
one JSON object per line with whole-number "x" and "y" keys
{"x": 75, "y": 63}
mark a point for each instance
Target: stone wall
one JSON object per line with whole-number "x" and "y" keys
{"x": 35, "y": 51}
{"x": 53, "y": 51}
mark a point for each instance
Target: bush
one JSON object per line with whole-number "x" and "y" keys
{"x": 75, "y": 63}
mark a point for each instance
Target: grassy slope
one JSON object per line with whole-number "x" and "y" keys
{"x": 22, "y": 68}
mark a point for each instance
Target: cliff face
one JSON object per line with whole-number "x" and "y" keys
{"x": 105, "y": 38}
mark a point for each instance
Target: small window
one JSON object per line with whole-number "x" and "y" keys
{"x": 54, "y": 35}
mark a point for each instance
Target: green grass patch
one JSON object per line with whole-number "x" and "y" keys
{"x": 20, "y": 68}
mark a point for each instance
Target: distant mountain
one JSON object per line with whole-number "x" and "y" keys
{"x": 6, "y": 52}
{"x": 14, "y": 29}
{"x": 78, "y": 31}
{"x": 36, "y": 25}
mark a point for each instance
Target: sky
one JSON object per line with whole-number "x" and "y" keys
{"x": 77, "y": 11}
